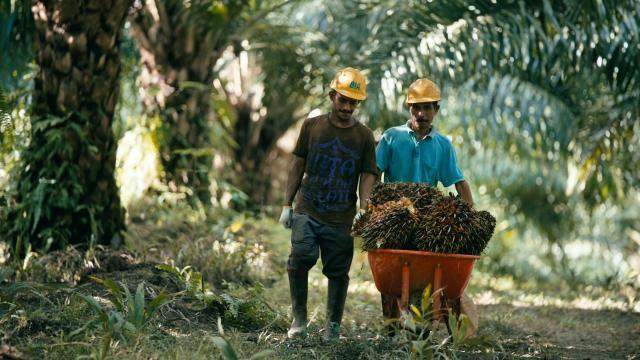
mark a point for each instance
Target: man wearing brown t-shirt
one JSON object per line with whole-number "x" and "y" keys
{"x": 334, "y": 154}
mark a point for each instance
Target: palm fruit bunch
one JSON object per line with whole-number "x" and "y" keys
{"x": 389, "y": 225}
{"x": 414, "y": 216}
{"x": 451, "y": 227}
{"x": 482, "y": 226}
{"x": 421, "y": 195}
{"x": 363, "y": 220}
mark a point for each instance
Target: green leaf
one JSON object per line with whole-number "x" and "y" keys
{"x": 196, "y": 152}
{"x": 195, "y": 281}
{"x": 233, "y": 304}
{"x": 416, "y": 312}
{"x": 426, "y": 299}
{"x": 463, "y": 325}
{"x": 49, "y": 122}
{"x": 193, "y": 85}
{"x": 154, "y": 305}
{"x": 168, "y": 268}
{"x": 130, "y": 300}
{"x": 92, "y": 323}
{"x": 129, "y": 327}
{"x": 138, "y": 314}
{"x": 116, "y": 323}
{"x": 453, "y": 322}
{"x": 115, "y": 294}
{"x": 11, "y": 289}
{"x": 93, "y": 304}
{"x": 227, "y": 351}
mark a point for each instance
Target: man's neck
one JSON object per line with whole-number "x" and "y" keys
{"x": 336, "y": 121}
{"x": 420, "y": 134}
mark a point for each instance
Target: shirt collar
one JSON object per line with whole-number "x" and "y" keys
{"x": 431, "y": 133}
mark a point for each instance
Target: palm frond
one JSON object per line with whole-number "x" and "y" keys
{"x": 16, "y": 40}
{"x": 557, "y": 78}
{"x": 6, "y": 126}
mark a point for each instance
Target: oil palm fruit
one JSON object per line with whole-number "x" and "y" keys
{"x": 414, "y": 216}
{"x": 390, "y": 225}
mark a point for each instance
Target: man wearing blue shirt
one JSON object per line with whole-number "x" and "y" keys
{"x": 415, "y": 151}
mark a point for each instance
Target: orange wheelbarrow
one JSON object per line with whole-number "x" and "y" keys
{"x": 398, "y": 273}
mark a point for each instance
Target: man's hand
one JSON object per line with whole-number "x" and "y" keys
{"x": 464, "y": 191}
{"x": 285, "y": 217}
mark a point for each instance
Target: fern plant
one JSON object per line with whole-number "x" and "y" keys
{"x": 6, "y": 126}
{"x": 193, "y": 285}
{"x": 192, "y": 279}
{"x": 5, "y": 118}
{"x": 128, "y": 318}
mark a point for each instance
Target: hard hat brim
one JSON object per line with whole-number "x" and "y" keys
{"x": 350, "y": 94}
{"x": 422, "y": 100}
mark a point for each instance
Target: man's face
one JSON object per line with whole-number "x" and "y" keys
{"x": 422, "y": 115}
{"x": 344, "y": 106}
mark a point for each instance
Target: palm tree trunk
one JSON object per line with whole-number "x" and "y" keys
{"x": 256, "y": 140}
{"x": 178, "y": 54}
{"x": 67, "y": 191}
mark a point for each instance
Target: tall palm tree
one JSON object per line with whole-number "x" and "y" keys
{"x": 67, "y": 191}
{"x": 180, "y": 42}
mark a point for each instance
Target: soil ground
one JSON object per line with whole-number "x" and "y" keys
{"x": 38, "y": 320}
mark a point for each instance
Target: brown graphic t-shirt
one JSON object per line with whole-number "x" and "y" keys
{"x": 334, "y": 158}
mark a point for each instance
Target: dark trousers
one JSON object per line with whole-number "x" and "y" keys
{"x": 311, "y": 238}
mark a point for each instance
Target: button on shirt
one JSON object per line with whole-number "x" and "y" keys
{"x": 404, "y": 158}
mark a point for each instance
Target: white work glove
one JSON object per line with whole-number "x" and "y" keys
{"x": 359, "y": 214}
{"x": 285, "y": 217}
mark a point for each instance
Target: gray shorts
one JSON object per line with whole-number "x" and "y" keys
{"x": 311, "y": 238}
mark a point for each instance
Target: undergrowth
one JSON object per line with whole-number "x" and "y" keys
{"x": 212, "y": 283}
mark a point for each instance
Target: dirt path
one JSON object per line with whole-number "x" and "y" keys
{"x": 563, "y": 333}
{"x": 518, "y": 323}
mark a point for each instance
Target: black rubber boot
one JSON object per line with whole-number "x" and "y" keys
{"x": 337, "y": 295}
{"x": 298, "y": 286}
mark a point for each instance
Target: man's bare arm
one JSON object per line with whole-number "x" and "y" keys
{"x": 296, "y": 171}
{"x": 464, "y": 191}
{"x": 366, "y": 184}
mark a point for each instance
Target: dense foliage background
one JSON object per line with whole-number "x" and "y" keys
{"x": 540, "y": 101}
{"x": 116, "y": 112}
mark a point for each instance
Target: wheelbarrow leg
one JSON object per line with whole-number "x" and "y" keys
{"x": 404, "y": 298}
{"x": 437, "y": 294}
{"x": 390, "y": 308}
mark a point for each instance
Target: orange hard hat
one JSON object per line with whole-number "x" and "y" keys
{"x": 350, "y": 83}
{"x": 423, "y": 90}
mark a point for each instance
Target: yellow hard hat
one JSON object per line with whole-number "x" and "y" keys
{"x": 350, "y": 83}
{"x": 423, "y": 90}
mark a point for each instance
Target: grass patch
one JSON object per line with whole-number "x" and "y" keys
{"x": 231, "y": 267}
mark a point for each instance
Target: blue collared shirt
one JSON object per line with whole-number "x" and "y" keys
{"x": 403, "y": 158}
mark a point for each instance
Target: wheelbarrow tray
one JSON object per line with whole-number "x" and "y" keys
{"x": 451, "y": 272}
